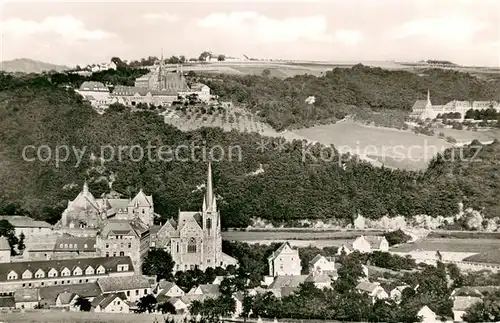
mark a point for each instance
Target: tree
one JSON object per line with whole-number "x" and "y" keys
{"x": 397, "y": 237}
{"x": 146, "y": 303}
{"x": 20, "y": 245}
{"x": 84, "y": 304}
{"x": 203, "y": 56}
{"x": 486, "y": 311}
{"x": 158, "y": 262}
{"x": 349, "y": 273}
{"x": 167, "y": 307}
{"x": 221, "y": 58}
{"x": 7, "y": 230}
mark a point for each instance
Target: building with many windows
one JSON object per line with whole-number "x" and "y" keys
{"x": 35, "y": 274}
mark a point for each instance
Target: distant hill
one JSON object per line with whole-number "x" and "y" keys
{"x": 25, "y": 65}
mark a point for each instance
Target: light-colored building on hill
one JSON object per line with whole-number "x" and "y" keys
{"x": 427, "y": 315}
{"x": 365, "y": 244}
{"x": 374, "y": 290}
{"x": 284, "y": 262}
{"x": 424, "y": 109}
{"x": 60, "y": 247}
{"x": 322, "y": 264}
{"x": 49, "y": 295}
{"x": 195, "y": 239}
{"x": 111, "y": 303}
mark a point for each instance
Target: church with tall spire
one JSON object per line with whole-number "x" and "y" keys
{"x": 195, "y": 239}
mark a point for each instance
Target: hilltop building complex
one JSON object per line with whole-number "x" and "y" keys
{"x": 424, "y": 109}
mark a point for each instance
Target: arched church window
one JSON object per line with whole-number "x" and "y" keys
{"x": 209, "y": 223}
{"x": 192, "y": 245}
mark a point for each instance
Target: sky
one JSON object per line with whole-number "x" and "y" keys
{"x": 69, "y": 32}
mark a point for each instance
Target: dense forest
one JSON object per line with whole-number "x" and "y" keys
{"x": 343, "y": 91}
{"x": 33, "y": 111}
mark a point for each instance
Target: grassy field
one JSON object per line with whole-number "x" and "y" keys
{"x": 491, "y": 256}
{"x": 450, "y": 245}
{"x": 291, "y": 235}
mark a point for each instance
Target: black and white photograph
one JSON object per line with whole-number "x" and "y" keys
{"x": 249, "y": 161}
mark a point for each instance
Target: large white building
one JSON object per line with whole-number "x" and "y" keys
{"x": 424, "y": 109}
{"x": 284, "y": 262}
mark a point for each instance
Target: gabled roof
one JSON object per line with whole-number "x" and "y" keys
{"x": 7, "y": 302}
{"x": 276, "y": 253}
{"x": 318, "y": 278}
{"x": 93, "y": 86}
{"x": 26, "y": 295}
{"x": 105, "y": 300}
{"x": 121, "y": 283}
{"x": 142, "y": 199}
{"x": 315, "y": 259}
{"x": 367, "y": 287}
{"x": 123, "y": 227}
{"x": 165, "y": 285}
{"x": 209, "y": 289}
{"x": 461, "y": 303}
{"x": 287, "y": 281}
{"x": 477, "y": 291}
{"x": 66, "y": 297}
{"x": 186, "y": 217}
{"x": 374, "y": 241}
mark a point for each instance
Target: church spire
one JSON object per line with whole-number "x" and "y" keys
{"x": 208, "y": 201}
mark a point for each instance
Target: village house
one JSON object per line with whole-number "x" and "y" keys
{"x": 28, "y": 226}
{"x": 134, "y": 287}
{"x": 397, "y": 293}
{"x": 285, "y": 285}
{"x": 343, "y": 249}
{"x": 205, "y": 289}
{"x": 366, "y": 244}
{"x": 111, "y": 303}
{"x": 285, "y": 261}
{"x": 4, "y": 250}
{"x": 56, "y": 296}
{"x": 320, "y": 279}
{"x": 35, "y": 274}
{"x": 60, "y": 247}
{"x": 168, "y": 289}
{"x": 26, "y": 298}
{"x": 322, "y": 264}
{"x": 461, "y": 304}
{"x": 427, "y": 315}
{"x": 374, "y": 290}
{"x": 181, "y": 308}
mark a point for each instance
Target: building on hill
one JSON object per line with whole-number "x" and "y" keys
{"x": 60, "y": 247}
{"x": 365, "y": 244}
{"x": 28, "y": 226}
{"x": 424, "y": 109}
{"x": 86, "y": 215}
{"x": 96, "y": 93}
{"x": 285, "y": 285}
{"x": 195, "y": 239}
{"x": 427, "y": 315}
{"x": 285, "y": 261}
{"x": 4, "y": 250}
{"x": 168, "y": 289}
{"x": 124, "y": 238}
{"x": 35, "y": 274}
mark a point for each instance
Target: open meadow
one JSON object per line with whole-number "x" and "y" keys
{"x": 450, "y": 245}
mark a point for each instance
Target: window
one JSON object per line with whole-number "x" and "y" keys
{"x": 42, "y": 283}
{"x": 191, "y": 246}
{"x": 85, "y": 246}
{"x": 122, "y": 254}
{"x": 177, "y": 247}
{"x": 65, "y": 245}
{"x": 145, "y": 292}
{"x": 114, "y": 254}
{"x": 61, "y": 245}
{"x": 107, "y": 254}
{"x": 107, "y": 245}
{"x": 128, "y": 293}
{"x": 129, "y": 245}
{"x": 80, "y": 281}
{"x": 136, "y": 292}
{"x": 209, "y": 223}
{"x": 24, "y": 285}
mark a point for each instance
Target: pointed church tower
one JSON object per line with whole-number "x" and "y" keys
{"x": 209, "y": 202}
